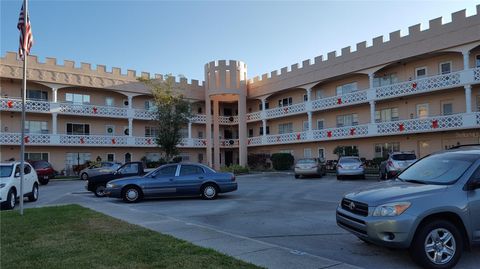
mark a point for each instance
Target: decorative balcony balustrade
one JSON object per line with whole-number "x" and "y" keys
{"x": 93, "y": 140}
{"x": 92, "y": 110}
{"x": 228, "y": 119}
{"x": 430, "y": 124}
{"x": 419, "y": 85}
{"x": 30, "y": 139}
{"x": 476, "y": 74}
{"x": 254, "y": 116}
{"x": 15, "y": 104}
{"x": 286, "y": 110}
{"x": 257, "y": 140}
{"x": 199, "y": 118}
{"x": 340, "y": 132}
{"x": 228, "y": 143}
{"x": 143, "y": 114}
{"x": 340, "y": 100}
{"x": 286, "y": 138}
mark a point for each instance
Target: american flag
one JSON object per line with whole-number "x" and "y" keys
{"x": 26, "y": 37}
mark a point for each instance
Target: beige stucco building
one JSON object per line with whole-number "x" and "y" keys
{"x": 419, "y": 92}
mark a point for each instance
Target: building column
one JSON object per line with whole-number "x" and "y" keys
{"x": 372, "y": 111}
{"x": 130, "y": 99}
{"x": 310, "y": 124}
{"x": 371, "y": 77}
{"x": 242, "y": 129}
{"x": 189, "y": 130}
{"x": 208, "y": 130}
{"x": 54, "y": 123}
{"x": 216, "y": 135}
{"x": 130, "y": 127}
{"x": 264, "y": 127}
{"x": 309, "y": 94}
{"x": 54, "y": 93}
{"x": 468, "y": 98}
{"x": 466, "y": 60}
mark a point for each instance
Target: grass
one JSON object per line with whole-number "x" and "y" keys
{"x": 75, "y": 237}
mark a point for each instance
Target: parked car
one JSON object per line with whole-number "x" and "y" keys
{"x": 10, "y": 184}
{"x": 432, "y": 208}
{"x": 396, "y": 163}
{"x": 97, "y": 183}
{"x": 182, "y": 179}
{"x": 44, "y": 171}
{"x": 350, "y": 166}
{"x": 310, "y": 166}
{"x": 100, "y": 168}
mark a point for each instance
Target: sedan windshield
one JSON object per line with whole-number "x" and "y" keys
{"x": 6, "y": 170}
{"x": 441, "y": 169}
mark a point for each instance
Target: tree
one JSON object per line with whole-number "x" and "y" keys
{"x": 172, "y": 113}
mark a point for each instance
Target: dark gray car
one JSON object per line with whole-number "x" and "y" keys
{"x": 432, "y": 208}
{"x": 173, "y": 180}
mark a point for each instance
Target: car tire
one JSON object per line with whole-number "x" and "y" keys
{"x": 99, "y": 191}
{"x": 131, "y": 194}
{"x": 11, "y": 199}
{"x": 297, "y": 176}
{"x": 448, "y": 237}
{"x": 84, "y": 176}
{"x": 43, "y": 181}
{"x": 339, "y": 177}
{"x": 209, "y": 192}
{"x": 34, "y": 195}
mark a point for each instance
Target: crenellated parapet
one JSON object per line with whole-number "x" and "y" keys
{"x": 437, "y": 37}
{"x": 84, "y": 75}
{"x": 226, "y": 77}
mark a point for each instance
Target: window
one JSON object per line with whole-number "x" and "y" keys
{"x": 131, "y": 168}
{"x": 445, "y": 68}
{"x": 319, "y": 94}
{"x": 387, "y": 114}
{"x": 78, "y": 129}
{"x": 320, "y": 124}
{"x": 36, "y": 156}
{"x": 37, "y": 95}
{"x": 200, "y": 134}
{"x": 260, "y": 106}
{"x": 285, "y": 102}
{"x": 151, "y": 131}
{"x": 305, "y": 126}
{"x": 186, "y": 170}
{"x": 77, "y": 98}
{"x": 200, "y": 157}
{"x": 126, "y": 131}
{"x": 321, "y": 153}
{"x": 109, "y": 101}
{"x": 477, "y": 61}
{"x": 307, "y": 153}
{"x": 268, "y": 130}
{"x": 150, "y": 105}
{"x": 422, "y": 111}
{"x": 168, "y": 171}
{"x": 36, "y": 127}
{"x": 285, "y": 128}
{"x": 250, "y": 132}
{"x": 385, "y": 80}
{"x": 305, "y": 97}
{"x": 185, "y": 157}
{"x": 346, "y": 88}
{"x": 447, "y": 108}
{"x": 110, "y": 129}
{"x": 200, "y": 110}
{"x": 127, "y": 157}
{"x": 347, "y": 120}
{"x": 77, "y": 158}
{"x": 27, "y": 169}
{"x": 382, "y": 150}
{"x": 110, "y": 157}
{"x": 420, "y": 72}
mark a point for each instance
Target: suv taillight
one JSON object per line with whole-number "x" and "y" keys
{"x": 390, "y": 163}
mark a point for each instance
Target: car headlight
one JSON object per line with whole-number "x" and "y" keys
{"x": 2, "y": 185}
{"x": 110, "y": 185}
{"x": 391, "y": 210}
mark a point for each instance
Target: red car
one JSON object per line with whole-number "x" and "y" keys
{"x": 44, "y": 171}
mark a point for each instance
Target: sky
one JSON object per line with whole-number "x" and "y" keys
{"x": 179, "y": 37}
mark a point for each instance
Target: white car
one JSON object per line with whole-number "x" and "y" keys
{"x": 10, "y": 184}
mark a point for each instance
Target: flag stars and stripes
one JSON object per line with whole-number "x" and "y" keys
{"x": 26, "y": 37}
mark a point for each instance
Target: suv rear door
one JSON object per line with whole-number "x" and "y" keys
{"x": 474, "y": 207}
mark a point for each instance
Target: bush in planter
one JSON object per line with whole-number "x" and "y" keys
{"x": 258, "y": 161}
{"x": 234, "y": 168}
{"x": 282, "y": 161}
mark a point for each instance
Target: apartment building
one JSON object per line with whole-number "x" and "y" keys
{"x": 419, "y": 92}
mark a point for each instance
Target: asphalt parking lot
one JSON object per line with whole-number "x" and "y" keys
{"x": 273, "y": 208}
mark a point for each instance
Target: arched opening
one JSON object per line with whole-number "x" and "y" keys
{"x": 128, "y": 157}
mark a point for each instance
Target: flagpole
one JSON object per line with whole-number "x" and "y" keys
{"x": 24, "y": 97}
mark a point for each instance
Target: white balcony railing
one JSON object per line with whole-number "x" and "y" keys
{"x": 229, "y": 143}
{"x": 15, "y": 104}
{"x": 340, "y": 132}
{"x": 476, "y": 74}
{"x": 340, "y": 100}
{"x": 286, "y": 110}
{"x": 285, "y": 138}
{"x": 430, "y": 124}
{"x": 228, "y": 119}
{"x": 92, "y": 110}
{"x": 257, "y": 140}
{"x": 254, "y": 116}
{"x": 92, "y": 140}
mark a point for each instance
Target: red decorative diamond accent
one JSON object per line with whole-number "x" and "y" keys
{"x": 329, "y": 134}
{"x": 339, "y": 101}
{"x": 285, "y": 110}
{"x": 9, "y": 103}
{"x": 149, "y": 141}
{"x": 401, "y": 127}
{"x": 248, "y": 141}
{"x": 82, "y": 141}
{"x": 94, "y": 110}
{"x": 434, "y": 124}
{"x": 414, "y": 85}
{"x": 113, "y": 141}
{"x": 26, "y": 139}
{"x": 352, "y": 131}
{"x": 298, "y": 136}
{"x": 204, "y": 142}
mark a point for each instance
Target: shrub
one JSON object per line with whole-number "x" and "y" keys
{"x": 378, "y": 160}
{"x": 282, "y": 161}
{"x": 235, "y": 168}
{"x": 258, "y": 161}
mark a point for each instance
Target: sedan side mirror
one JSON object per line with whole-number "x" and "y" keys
{"x": 17, "y": 174}
{"x": 473, "y": 184}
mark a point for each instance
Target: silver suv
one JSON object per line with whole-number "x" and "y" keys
{"x": 395, "y": 164}
{"x": 432, "y": 208}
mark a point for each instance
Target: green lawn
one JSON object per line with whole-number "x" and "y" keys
{"x": 75, "y": 237}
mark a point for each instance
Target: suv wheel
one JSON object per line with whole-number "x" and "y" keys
{"x": 132, "y": 194}
{"x": 34, "y": 195}
{"x": 438, "y": 244}
{"x": 84, "y": 176}
{"x": 11, "y": 199}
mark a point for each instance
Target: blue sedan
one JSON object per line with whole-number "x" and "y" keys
{"x": 182, "y": 179}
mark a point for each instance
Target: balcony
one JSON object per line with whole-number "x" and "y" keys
{"x": 340, "y": 100}
{"x": 15, "y": 104}
{"x": 91, "y": 110}
{"x": 286, "y": 110}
